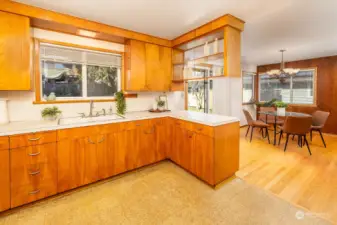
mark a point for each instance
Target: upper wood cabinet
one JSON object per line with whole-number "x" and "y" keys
{"x": 148, "y": 67}
{"x": 14, "y": 52}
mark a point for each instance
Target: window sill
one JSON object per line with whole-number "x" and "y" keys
{"x": 82, "y": 100}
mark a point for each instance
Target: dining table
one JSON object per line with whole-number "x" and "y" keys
{"x": 276, "y": 114}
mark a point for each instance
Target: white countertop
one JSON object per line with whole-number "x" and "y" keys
{"x": 36, "y": 126}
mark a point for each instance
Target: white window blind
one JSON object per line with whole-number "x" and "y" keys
{"x": 72, "y": 55}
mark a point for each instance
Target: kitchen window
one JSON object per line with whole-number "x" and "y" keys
{"x": 74, "y": 73}
{"x": 296, "y": 89}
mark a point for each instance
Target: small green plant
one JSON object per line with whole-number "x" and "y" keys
{"x": 121, "y": 103}
{"x": 266, "y": 104}
{"x": 51, "y": 112}
{"x": 161, "y": 103}
{"x": 280, "y": 104}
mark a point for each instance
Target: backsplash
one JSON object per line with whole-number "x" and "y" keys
{"x": 21, "y": 108}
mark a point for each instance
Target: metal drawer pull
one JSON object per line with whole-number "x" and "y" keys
{"x": 34, "y": 139}
{"x": 91, "y": 142}
{"x": 199, "y": 129}
{"x": 34, "y": 154}
{"x": 100, "y": 141}
{"x": 137, "y": 125}
{"x": 34, "y": 192}
{"x": 34, "y": 173}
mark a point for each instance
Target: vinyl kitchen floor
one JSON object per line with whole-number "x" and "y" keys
{"x": 161, "y": 194}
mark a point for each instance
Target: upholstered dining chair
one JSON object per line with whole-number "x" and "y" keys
{"x": 299, "y": 126}
{"x": 269, "y": 119}
{"x": 255, "y": 123}
{"x": 319, "y": 119}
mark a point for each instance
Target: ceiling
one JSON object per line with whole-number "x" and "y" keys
{"x": 305, "y": 28}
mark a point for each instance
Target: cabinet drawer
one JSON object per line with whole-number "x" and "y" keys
{"x": 32, "y": 192}
{"x": 203, "y": 129}
{"x": 74, "y": 133}
{"x": 35, "y": 154}
{"x": 33, "y": 174}
{"x": 30, "y": 139}
{"x": 4, "y": 143}
{"x": 133, "y": 125}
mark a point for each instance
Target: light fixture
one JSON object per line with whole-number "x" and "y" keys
{"x": 87, "y": 33}
{"x": 283, "y": 72}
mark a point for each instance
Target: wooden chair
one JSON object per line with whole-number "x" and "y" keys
{"x": 255, "y": 123}
{"x": 299, "y": 126}
{"x": 319, "y": 119}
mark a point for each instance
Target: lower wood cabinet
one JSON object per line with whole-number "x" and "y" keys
{"x": 4, "y": 177}
{"x": 33, "y": 173}
{"x": 55, "y": 163}
{"x": 77, "y": 162}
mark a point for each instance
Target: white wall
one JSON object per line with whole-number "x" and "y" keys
{"x": 227, "y": 97}
{"x": 20, "y": 103}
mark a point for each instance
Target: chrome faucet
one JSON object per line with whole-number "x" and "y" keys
{"x": 91, "y": 108}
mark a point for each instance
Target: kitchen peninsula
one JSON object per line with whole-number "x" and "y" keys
{"x": 44, "y": 159}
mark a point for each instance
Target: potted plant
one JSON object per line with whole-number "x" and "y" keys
{"x": 50, "y": 113}
{"x": 161, "y": 105}
{"x": 281, "y": 107}
{"x": 120, "y": 103}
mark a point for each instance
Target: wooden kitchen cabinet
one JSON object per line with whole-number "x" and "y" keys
{"x": 33, "y": 173}
{"x": 158, "y": 67}
{"x": 202, "y": 157}
{"x": 161, "y": 145}
{"x": 77, "y": 162}
{"x": 135, "y": 58}
{"x": 148, "y": 67}
{"x": 4, "y": 176}
{"x": 14, "y": 52}
{"x": 182, "y": 145}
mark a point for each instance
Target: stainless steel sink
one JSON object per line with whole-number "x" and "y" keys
{"x": 79, "y": 119}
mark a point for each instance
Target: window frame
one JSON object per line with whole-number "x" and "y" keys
{"x": 37, "y": 75}
{"x": 314, "y": 104}
{"x": 254, "y": 74}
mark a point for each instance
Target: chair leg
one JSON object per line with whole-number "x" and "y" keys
{"x": 279, "y": 139}
{"x": 247, "y": 130}
{"x": 306, "y": 142}
{"x": 267, "y": 134}
{"x": 263, "y": 136}
{"x": 320, "y": 133}
{"x": 285, "y": 146}
{"x": 310, "y": 135}
{"x": 293, "y": 136}
{"x": 251, "y": 134}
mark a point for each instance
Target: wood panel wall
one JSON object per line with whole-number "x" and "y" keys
{"x": 326, "y": 87}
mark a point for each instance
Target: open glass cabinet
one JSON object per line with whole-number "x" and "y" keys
{"x": 199, "y": 58}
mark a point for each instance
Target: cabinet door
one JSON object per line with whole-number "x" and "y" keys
{"x": 203, "y": 158}
{"x": 135, "y": 66}
{"x": 132, "y": 147}
{"x": 77, "y": 162}
{"x": 186, "y": 150}
{"x": 162, "y": 138}
{"x": 4, "y": 180}
{"x": 14, "y": 52}
{"x": 182, "y": 146}
{"x": 108, "y": 157}
{"x": 147, "y": 145}
{"x": 158, "y": 67}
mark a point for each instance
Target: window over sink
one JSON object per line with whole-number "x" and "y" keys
{"x": 69, "y": 73}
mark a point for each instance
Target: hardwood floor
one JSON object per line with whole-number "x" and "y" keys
{"x": 295, "y": 176}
